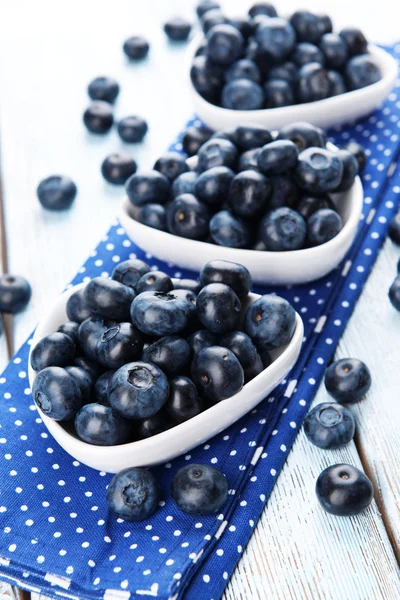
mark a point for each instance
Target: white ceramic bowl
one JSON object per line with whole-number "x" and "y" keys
{"x": 323, "y": 113}
{"x": 182, "y": 438}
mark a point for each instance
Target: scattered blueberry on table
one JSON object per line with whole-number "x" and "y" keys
{"x": 98, "y": 117}
{"x": 347, "y": 380}
{"x": 56, "y": 192}
{"x": 132, "y": 129}
{"x": 343, "y": 490}
{"x": 199, "y": 489}
{"x": 103, "y": 88}
{"x": 136, "y": 47}
{"x": 178, "y": 29}
{"x": 118, "y": 167}
{"x": 329, "y": 425}
{"x": 15, "y": 293}
{"x": 133, "y": 494}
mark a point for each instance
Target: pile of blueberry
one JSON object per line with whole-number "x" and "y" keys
{"x": 264, "y": 61}
{"x": 341, "y": 489}
{"x": 394, "y": 234}
{"x": 248, "y": 188}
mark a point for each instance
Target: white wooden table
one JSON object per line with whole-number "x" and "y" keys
{"x": 48, "y": 53}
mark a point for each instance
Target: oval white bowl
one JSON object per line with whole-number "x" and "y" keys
{"x": 323, "y": 113}
{"x": 182, "y": 438}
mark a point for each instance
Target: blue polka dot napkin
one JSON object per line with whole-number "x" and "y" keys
{"x": 57, "y": 535}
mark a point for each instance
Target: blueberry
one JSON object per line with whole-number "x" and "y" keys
{"x": 277, "y": 93}
{"x": 334, "y": 49}
{"x": 102, "y": 386}
{"x": 394, "y": 293}
{"x": 394, "y": 229}
{"x": 212, "y": 186}
{"x": 71, "y": 329}
{"x": 325, "y": 24}
{"x": 184, "y": 402}
{"x": 343, "y": 490}
{"x": 189, "y": 297}
{"x": 103, "y": 88}
{"x": 118, "y": 345}
{"x": 130, "y": 271}
{"x": 149, "y": 186}
{"x": 136, "y": 47}
{"x": 194, "y": 138}
{"x": 254, "y": 369}
{"x": 178, "y": 29}
{"x": 305, "y": 52}
{"x": 56, "y": 393}
{"x": 276, "y": 38}
{"x": 338, "y": 84}
{"x": 217, "y": 152}
{"x": 242, "y": 347}
{"x": 117, "y": 168}
{"x": 270, "y": 322}
{"x": 303, "y": 135}
{"x": 350, "y": 170}
{"x": 277, "y": 157}
{"x": 312, "y": 83}
{"x": 243, "y": 69}
{"x": 206, "y": 5}
{"x": 228, "y": 230}
{"x": 308, "y": 205}
{"x": 92, "y": 368}
{"x": 262, "y": 8}
{"x": 153, "y": 425}
{"x": 234, "y": 275}
{"x": 171, "y": 164}
{"x": 362, "y": 71}
{"x": 54, "y": 350}
{"x": 245, "y": 26}
{"x": 329, "y": 425}
{"x": 225, "y": 44}
{"x": 284, "y": 192}
{"x": 100, "y": 425}
{"x": 286, "y": 71}
{"x": 355, "y": 40}
{"x": 188, "y": 217}
{"x": 199, "y": 489}
{"x": 84, "y": 380}
{"x": 218, "y": 308}
{"x": 217, "y": 373}
{"x": 207, "y": 78}
{"x": 138, "y": 390}
{"x": 318, "y": 170}
{"x": 98, "y": 117}
{"x": 187, "y": 284}
{"x": 160, "y": 314}
{"x": 132, "y": 129}
{"x": 228, "y": 135}
{"x": 109, "y": 298}
{"x": 248, "y": 137}
{"x": 347, "y": 380}
{"x": 249, "y": 160}
{"x": 133, "y": 494}
{"x": 211, "y": 19}
{"x": 15, "y": 293}
{"x": 359, "y": 152}
{"x": 322, "y": 226}
{"x": 171, "y": 354}
{"x": 242, "y": 94}
{"x": 201, "y": 339}
{"x": 153, "y": 215}
{"x": 283, "y": 229}
{"x": 56, "y": 192}
{"x": 154, "y": 281}
{"x": 184, "y": 184}
{"x": 77, "y": 309}
{"x": 307, "y": 26}
{"x": 249, "y": 193}
{"x": 90, "y": 332}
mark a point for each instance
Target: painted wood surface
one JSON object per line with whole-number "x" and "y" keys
{"x": 47, "y": 59}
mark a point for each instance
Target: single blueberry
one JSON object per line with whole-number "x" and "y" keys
{"x": 254, "y": 369}
{"x": 136, "y": 47}
{"x": 153, "y": 215}
{"x": 235, "y": 275}
{"x": 118, "y": 345}
{"x": 154, "y": 425}
{"x": 178, "y": 29}
{"x": 56, "y": 192}
{"x": 56, "y": 393}
{"x": 312, "y": 83}
{"x": 99, "y": 425}
{"x": 187, "y": 284}
{"x": 325, "y": 24}
{"x": 308, "y": 205}
{"x": 201, "y": 339}
{"x": 228, "y": 230}
{"x": 347, "y": 380}
{"x": 102, "y": 386}
{"x": 70, "y": 328}
{"x": 334, "y": 49}
{"x": 130, "y": 271}
{"x": 133, "y": 494}
{"x": 338, "y": 84}
{"x": 154, "y": 281}
{"x": 217, "y": 373}
{"x": 343, "y": 490}
{"x": 103, "y": 88}
{"x": 270, "y": 322}
{"x": 318, "y": 170}
{"x": 359, "y": 152}
{"x": 54, "y": 350}
{"x": 147, "y": 187}
{"x": 329, "y": 425}
{"x": 207, "y": 78}
{"x": 132, "y": 129}
{"x": 242, "y": 347}
{"x": 98, "y": 117}
{"x": 212, "y": 186}
{"x": 218, "y": 308}
{"x": 184, "y": 402}
{"x": 362, "y": 71}
{"x": 109, "y": 298}
{"x": 199, "y": 489}
{"x": 249, "y": 160}
{"x": 77, "y": 309}
{"x": 305, "y": 52}
{"x": 118, "y": 167}
{"x": 171, "y": 164}
{"x": 90, "y": 332}
{"x": 355, "y": 40}
{"x": 243, "y": 69}
{"x": 350, "y": 170}
{"x": 171, "y": 354}
{"x": 159, "y": 313}
{"x": 138, "y": 390}
{"x": 225, "y": 44}
{"x": 322, "y": 226}
{"x": 84, "y": 380}
{"x": 249, "y": 193}
{"x": 247, "y": 137}
{"x": 92, "y": 368}
{"x": 276, "y": 38}
{"x": 277, "y": 93}
{"x": 394, "y": 292}
{"x": 184, "y": 184}
{"x": 217, "y": 152}
{"x": 286, "y": 71}
{"x": 284, "y": 192}
{"x": 262, "y": 8}
{"x": 277, "y": 157}
{"x": 188, "y": 217}
{"x": 211, "y": 19}
{"x": 15, "y": 293}
{"x": 283, "y": 229}
{"x": 242, "y": 94}
{"x": 394, "y": 229}
{"x": 303, "y": 135}
{"x": 193, "y": 138}
{"x": 307, "y": 26}
{"x": 206, "y": 5}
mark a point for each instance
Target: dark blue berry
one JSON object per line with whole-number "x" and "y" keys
{"x": 178, "y": 29}
{"x": 133, "y": 494}
{"x": 350, "y": 170}
{"x": 254, "y": 369}
{"x": 92, "y": 368}
{"x": 242, "y": 347}
{"x": 103, "y": 88}
{"x": 218, "y": 308}
{"x": 308, "y": 205}
{"x": 136, "y": 47}
{"x": 278, "y": 92}
{"x": 98, "y": 117}
{"x": 338, "y": 85}
{"x": 329, "y": 425}
{"x": 102, "y": 386}
{"x": 190, "y": 298}
{"x": 394, "y": 229}
{"x": 159, "y": 313}
{"x": 100, "y": 425}
{"x": 207, "y": 78}
{"x": 171, "y": 354}
{"x": 154, "y": 281}
{"x": 228, "y": 230}
{"x": 188, "y": 217}
{"x": 225, "y": 44}
{"x": 249, "y": 193}
{"x": 217, "y": 152}
{"x": 362, "y": 71}
{"x": 283, "y": 229}
{"x": 84, "y": 380}
{"x": 56, "y": 192}
{"x": 132, "y": 129}
{"x": 334, "y": 49}
{"x": 171, "y": 164}
{"x": 318, "y": 170}
{"x": 249, "y": 160}
{"x": 117, "y": 168}
{"x": 243, "y": 69}
{"x": 130, "y": 271}
{"x": 307, "y": 26}
{"x": 262, "y": 8}
{"x": 276, "y": 38}
{"x": 242, "y": 94}
{"x": 201, "y": 339}
{"x": 206, "y": 5}
{"x": 90, "y": 332}
{"x": 199, "y": 489}
{"x": 217, "y": 373}
{"x": 57, "y": 394}
{"x": 15, "y": 293}
{"x": 286, "y": 71}
{"x": 305, "y": 52}
{"x": 359, "y": 152}
{"x": 109, "y": 298}
{"x": 154, "y": 425}
{"x": 234, "y": 275}
{"x": 245, "y": 26}
{"x": 153, "y": 215}
{"x": 54, "y": 350}
{"x": 118, "y": 345}
{"x": 325, "y": 24}
{"x": 347, "y": 380}
{"x": 212, "y": 186}
{"x": 194, "y": 138}
{"x": 270, "y": 322}
{"x": 147, "y": 187}
{"x": 211, "y": 19}
{"x": 303, "y": 135}
{"x": 285, "y": 192}
{"x": 71, "y": 329}
{"x": 248, "y": 137}
{"x": 277, "y": 157}
{"x": 187, "y": 284}
{"x": 343, "y": 490}
{"x": 355, "y": 40}
{"x": 184, "y": 402}
{"x": 138, "y": 390}
{"x": 394, "y": 292}
{"x": 312, "y": 83}
{"x": 77, "y": 309}
{"x": 322, "y": 226}
{"x": 184, "y": 184}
